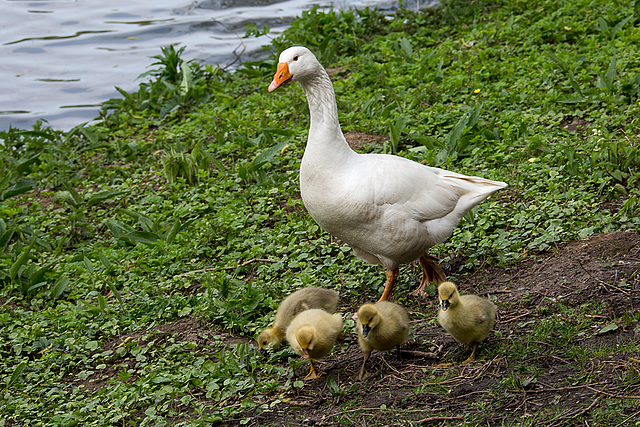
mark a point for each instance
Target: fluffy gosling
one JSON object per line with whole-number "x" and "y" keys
{"x": 290, "y": 307}
{"x": 312, "y": 334}
{"x": 381, "y": 326}
{"x": 468, "y": 318}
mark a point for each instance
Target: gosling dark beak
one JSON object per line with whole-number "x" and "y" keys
{"x": 365, "y": 330}
{"x": 445, "y": 304}
{"x": 264, "y": 352}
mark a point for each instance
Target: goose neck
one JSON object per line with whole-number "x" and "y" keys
{"x": 323, "y": 109}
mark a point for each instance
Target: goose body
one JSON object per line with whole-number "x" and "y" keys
{"x": 290, "y": 307}
{"x": 468, "y": 318}
{"x": 381, "y": 326}
{"x": 389, "y": 209}
{"x": 312, "y": 335}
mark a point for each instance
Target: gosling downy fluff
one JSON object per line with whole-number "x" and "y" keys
{"x": 312, "y": 334}
{"x": 468, "y": 318}
{"x": 381, "y": 326}
{"x": 290, "y": 307}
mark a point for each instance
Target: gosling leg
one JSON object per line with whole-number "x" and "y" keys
{"x": 363, "y": 372}
{"x": 471, "y": 358}
{"x": 398, "y": 354}
{"x": 313, "y": 372}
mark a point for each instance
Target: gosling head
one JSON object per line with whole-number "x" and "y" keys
{"x": 369, "y": 317}
{"x": 296, "y": 63}
{"x": 266, "y": 339}
{"x": 448, "y": 294}
{"x": 306, "y": 339}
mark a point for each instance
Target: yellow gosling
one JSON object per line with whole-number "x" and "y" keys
{"x": 468, "y": 318}
{"x": 381, "y": 326}
{"x": 312, "y": 334}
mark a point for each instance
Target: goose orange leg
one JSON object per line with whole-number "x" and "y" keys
{"x": 392, "y": 275}
{"x": 431, "y": 272}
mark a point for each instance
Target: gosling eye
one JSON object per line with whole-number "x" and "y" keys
{"x": 295, "y": 58}
{"x": 264, "y": 343}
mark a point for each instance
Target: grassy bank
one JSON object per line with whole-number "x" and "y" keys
{"x": 139, "y": 255}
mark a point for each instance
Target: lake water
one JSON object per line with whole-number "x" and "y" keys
{"x": 61, "y": 59}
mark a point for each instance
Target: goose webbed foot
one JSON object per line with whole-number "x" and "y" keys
{"x": 431, "y": 272}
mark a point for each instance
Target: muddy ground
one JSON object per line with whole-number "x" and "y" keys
{"x": 604, "y": 268}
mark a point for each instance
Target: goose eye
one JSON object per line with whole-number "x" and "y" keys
{"x": 295, "y": 58}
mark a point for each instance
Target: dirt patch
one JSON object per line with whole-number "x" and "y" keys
{"x": 360, "y": 140}
{"x": 605, "y": 267}
{"x": 337, "y": 73}
{"x": 576, "y": 124}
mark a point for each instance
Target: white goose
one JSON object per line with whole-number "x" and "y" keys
{"x": 389, "y": 209}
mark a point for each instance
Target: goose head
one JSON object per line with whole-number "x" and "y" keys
{"x": 296, "y": 63}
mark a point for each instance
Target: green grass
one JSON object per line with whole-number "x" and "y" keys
{"x": 184, "y": 201}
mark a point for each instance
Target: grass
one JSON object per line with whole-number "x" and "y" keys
{"x": 183, "y": 203}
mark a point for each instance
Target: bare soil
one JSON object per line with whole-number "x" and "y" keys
{"x": 603, "y": 268}
{"x": 361, "y": 140}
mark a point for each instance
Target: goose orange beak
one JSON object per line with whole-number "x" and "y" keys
{"x": 283, "y": 76}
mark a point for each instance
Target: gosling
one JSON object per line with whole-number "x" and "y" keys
{"x": 290, "y": 307}
{"x": 312, "y": 334}
{"x": 381, "y": 326}
{"x": 468, "y": 318}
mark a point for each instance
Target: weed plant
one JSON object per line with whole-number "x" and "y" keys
{"x": 182, "y": 202}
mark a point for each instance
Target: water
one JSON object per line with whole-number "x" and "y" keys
{"x": 61, "y": 59}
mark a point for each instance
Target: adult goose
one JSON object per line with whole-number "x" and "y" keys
{"x": 389, "y": 209}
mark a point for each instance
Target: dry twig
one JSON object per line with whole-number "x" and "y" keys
{"x": 430, "y": 419}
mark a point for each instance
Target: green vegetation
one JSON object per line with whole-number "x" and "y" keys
{"x": 182, "y": 203}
